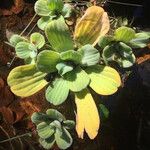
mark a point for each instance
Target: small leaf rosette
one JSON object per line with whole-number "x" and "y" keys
{"x": 52, "y": 128}
{"x": 51, "y": 9}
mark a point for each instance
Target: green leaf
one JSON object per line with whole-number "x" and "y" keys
{"x": 141, "y": 40}
{"x": 57, "y": 125}
{"x": 16, "y": 39}
{"x": 104, "y": 112}
{"x": 71, "y": 55}
{"x": 63, "y": 139}
{"x": 121, "y": 53}
{"x": 67, "y": 10}
{"x": 77, "y": 79}
{"x": 58, "y": 35}
{"x": 38, "y": 117}
{"x": 63, "y": 68}
{"x": 124, "y": 34}
{"x": 56, "y": 115}
{"x": 104, "y": 80}
{"x": 47, "y": 143}
{"x": 58, "y": 92}
{"x": 43, "y": 22}
{"x": 109, "y": 53}
{"x": 25, "y": 50}
{"x": 104, "y": 41}
{"x": 37, "y": 39}
{"x": 47, "y": 61}
{"x": 45, "y": 130}
{"x": 90, "y": 55}
{"x": 26, "y": 80}
{"x": 69, "y": 124}
{"x": 41, "y": 8}
{"x": 126, "y": 63}
{"x": 55, "y": 5}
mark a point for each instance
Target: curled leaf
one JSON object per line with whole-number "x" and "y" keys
{"x": 37, "y": 39}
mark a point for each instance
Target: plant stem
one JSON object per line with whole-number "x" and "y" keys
{"x": 28, "y": 25}
{"x": 16, "y": 137}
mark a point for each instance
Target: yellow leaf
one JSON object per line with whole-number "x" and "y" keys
{"x": 26, "y": 80}
{"x": 87, "y": 117}
{"x": 93, "y": 25}
{"x": 104, "y": 80}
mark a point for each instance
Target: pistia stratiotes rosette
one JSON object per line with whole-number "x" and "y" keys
{"x": 51, "y": 9}
{"x": 52, "y": 128}
{"x": 72, "y": 65}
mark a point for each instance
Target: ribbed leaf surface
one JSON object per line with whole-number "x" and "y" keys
{"x": 104, "y": 80}
{"x": 77, "y": 79}
{"x": 87, "y": 117}
{"x": 58, "y": 92}
{"x": 58, "y": 35}
{"x": 91, "y": 26}
{"x": 47, "y": 61}
{"x": 26, "y": 80}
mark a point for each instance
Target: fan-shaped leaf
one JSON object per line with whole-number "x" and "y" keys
{"x": 67, "y": 10}
{"x": 104, "y": 80}
{"x": 71, "y": 55}
{"x": 69, "y": 124}
{"x": 87, "y": 115}
{"x": 38, "y": 117}
{"x": 47, "y": 61}
{"x": 37, "y": 39}
{"x": 63, "y": 138}
{"x": 58, "y": 92}
{"x": 92, "y": 25}
{"x": 55, "y": 5}
{"x": 47, "y": 143}
{"x": 25, "y": 50}
{"x": 141, "y": 40}
{"x": 41, "y": 8}
{"x": 26, "y": 80}
{"x": 45, "y": 130}
{"x": 124, "y": 34}
{"x": 90, "y": 55}
{"x": 77, "y": 79}
{"x": 43, "y": 22}
{"x": 58, "y": 35}
{"x": 16, "y": 39}
{"x": 54, "y": 114}
{"x": 63, "y": 68}
{"x": 104, "y": 41}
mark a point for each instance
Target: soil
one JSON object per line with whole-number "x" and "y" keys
{"x": 128, "y": 126}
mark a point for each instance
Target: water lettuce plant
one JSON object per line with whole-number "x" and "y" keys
{"x": 53, "y": 127}
{"x": 70, "y": 63}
